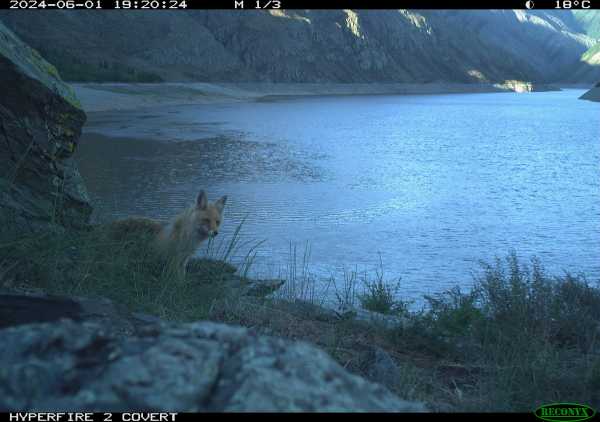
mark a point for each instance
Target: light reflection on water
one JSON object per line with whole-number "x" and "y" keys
{"x": 432, "y": 184}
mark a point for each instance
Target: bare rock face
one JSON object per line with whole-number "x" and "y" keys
{"x": 593, "y": 94}
{"x": 342, "y": 46}
{"x": 40, "y": 124}
{"x": 73, "y": 365}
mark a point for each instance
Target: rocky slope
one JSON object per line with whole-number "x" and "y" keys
{"x": 40, "y": 124}
{"x": 593, "y": 94}
{"x": 313, "y": 46}
{"x": 589, "y": 20}
{"x": 70, "y": 365}
{"x": 587, "y": 69}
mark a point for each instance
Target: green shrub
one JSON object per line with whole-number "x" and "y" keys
{"x": 382, "y": 296}
{"x": 532, "y": 338}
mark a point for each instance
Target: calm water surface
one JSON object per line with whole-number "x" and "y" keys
{"x": 430, "y": 184}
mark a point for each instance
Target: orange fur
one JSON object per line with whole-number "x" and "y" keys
{"x": 132, "y": 226}
{"x": 179, "y": 239}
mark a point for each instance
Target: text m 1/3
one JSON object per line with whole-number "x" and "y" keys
{"x": 257, "y": 4}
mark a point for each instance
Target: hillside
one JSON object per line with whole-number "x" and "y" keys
{"x": 593, "y": 94}
{"x": 588, "y": 67}
{"x": 589, "y": 21}
{"x": 313, "y": 46}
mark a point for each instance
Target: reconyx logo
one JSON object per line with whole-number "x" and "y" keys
{"x": 564, "y": 412}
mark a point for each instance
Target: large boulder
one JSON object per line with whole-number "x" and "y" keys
{"x": 40, "y": 124}
{"x": 71, "y": 365}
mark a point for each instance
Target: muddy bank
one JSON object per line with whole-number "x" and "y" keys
{"x": 119, "y": 96}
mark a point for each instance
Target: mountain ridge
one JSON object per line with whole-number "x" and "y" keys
{"x": 346, "y": 46}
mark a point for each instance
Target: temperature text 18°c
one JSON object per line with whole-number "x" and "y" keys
{"x": 573, "y": 4}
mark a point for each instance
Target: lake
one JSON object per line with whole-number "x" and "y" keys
{"x": 425, "y": 185}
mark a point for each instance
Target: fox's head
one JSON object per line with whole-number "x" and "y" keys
{"x": 208, "y": 216}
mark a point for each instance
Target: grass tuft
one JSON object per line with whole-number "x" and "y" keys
{"x": 382, "y": 296}
{"x": 127, "y": 270}
{"x": 530, "y": 338}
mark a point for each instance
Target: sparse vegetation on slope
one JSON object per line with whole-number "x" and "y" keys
{"x": 348, "y": 46}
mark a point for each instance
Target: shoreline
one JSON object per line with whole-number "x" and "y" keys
{"x": 96, "y": 97}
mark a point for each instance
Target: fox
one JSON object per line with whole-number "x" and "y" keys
{"x": 177, "y": 240}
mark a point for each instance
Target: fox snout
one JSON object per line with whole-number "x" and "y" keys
{"x": 204, "y": 232}
{"x": 210, "y": 233}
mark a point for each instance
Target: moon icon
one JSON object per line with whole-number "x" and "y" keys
{"x": 529, "y": 4}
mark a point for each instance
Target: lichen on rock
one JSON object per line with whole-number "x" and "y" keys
{"x": 40, "y": 125}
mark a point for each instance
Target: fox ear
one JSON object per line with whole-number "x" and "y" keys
{"x": 201, "y": 201}
{"x": 220, "y": 203}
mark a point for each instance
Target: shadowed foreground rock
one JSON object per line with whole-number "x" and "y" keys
{"x": 201, "y": 366}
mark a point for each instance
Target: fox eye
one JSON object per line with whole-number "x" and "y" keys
{"x": 206, "y": 221}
